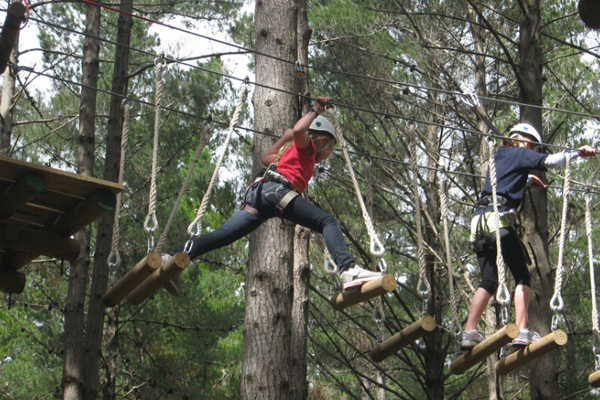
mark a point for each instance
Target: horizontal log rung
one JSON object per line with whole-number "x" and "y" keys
{"x": 132, "y": 279}
{"x": 371, "y": 289}
{"x": 403, "y": 338}
{"x": 531, "y": 352}
{"x": 159, "y": 278}
{"x": 484, "y": 349}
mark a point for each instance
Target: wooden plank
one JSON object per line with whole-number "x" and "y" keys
{"x": 11, "y": 281}
{"x": 38, "y": 242}
{"x": 58, "y": 181}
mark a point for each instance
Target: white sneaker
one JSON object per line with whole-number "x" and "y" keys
{"x": 525, "y": 338}
{"x": 357, "y": 276}
{"x": 470, "y": 339}
{"x": 174, "y": 285}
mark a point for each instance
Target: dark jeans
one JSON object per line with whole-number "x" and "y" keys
{"x": 264, "y": 197}
{"x": 514, "y": 259}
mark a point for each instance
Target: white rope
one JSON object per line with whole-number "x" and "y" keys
{"x": 195, "y": 228}
{"x": 423, "y": 286}
{"x": 503, "y": 294}
{"x": 114, "y": 258}
{"x": 589, "y": 230}
{"x": 444, "y": 211}
{"x": 556, "y": 303}
{"x": 151, "y": 222}
{"x": 376, "y": 247}
{"x": 184, "y": 187}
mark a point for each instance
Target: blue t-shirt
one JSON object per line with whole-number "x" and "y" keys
{"x": 512, "y": 169}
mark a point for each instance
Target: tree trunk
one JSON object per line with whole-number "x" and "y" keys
{"x": 266, "y": 352}
{"x": 74, "y": 343}
{"x": 95, "y": 317}
{"x": 301, "y": 278}
{"x": 300, "y": 304}
{"x": 544, "y": 375}
{"x": 6, "y": 102}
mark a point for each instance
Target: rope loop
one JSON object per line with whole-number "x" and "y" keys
{"x": 423, "y": 286}
{"x": 382, "y": 265}
{"x": 376, "y": 247}
{"x": 503, "y": 294}
{"x": 556, "y": 303}
{"x": 195, "y": 228}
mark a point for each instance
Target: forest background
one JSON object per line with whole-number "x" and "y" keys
{"x": 398, "y": 72}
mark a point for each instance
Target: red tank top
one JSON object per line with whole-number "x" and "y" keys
{"x": 298, "y": 165}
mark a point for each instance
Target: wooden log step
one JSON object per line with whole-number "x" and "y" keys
{"x": 11, "y": 281}
{"x": 371, "y": 289}
{"x": 37, "y": 242}
{"x": 594, "y": 379}
{"x": 531, "y": 352}
{"x": 159, "y": 278}
{"x": 403, "y": 338}
{"x": 484, "y": 349}
{"x": 29, "y": 185}
{"x": 132, "y": 279}
{"x": 86, "y": 212}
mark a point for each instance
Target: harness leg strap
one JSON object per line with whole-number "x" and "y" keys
{"x": 285, "y": 200}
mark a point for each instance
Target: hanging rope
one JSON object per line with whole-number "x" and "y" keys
{"x": 376, "y": 247}
{"x": 556, "y": 303}
{"x": 369, "y": 199}
{"x": 195, "y": 228}
{"x": 503, "y": 294}
{"x": 442, "y": 190}
{"x": 151, "y": 222}
{"x": 114, "y": 258}
{"x": 423, "y": 287}
{"x": 595, "y": 318}
{"x": 184, "y": 187}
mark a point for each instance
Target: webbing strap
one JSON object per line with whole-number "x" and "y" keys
{"x": 285, "y": 200}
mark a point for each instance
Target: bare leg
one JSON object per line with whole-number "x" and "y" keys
{"x": 522, "y": 293}
{"x": 478, "y": 305}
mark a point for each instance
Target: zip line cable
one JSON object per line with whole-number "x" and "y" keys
{"x": 316, "y": 68}
{"x": 374, "y": 157}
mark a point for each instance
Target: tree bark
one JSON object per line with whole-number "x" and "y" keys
{"x": 301, "y": 277}
{"x": 543, "y": 372}
{"x": 6, "y": 101}
{"x": 95, "y": 316}
{"x": 266, "y": 352}
{"x": 300, "y": 304}
{"x": 74, "y": 342}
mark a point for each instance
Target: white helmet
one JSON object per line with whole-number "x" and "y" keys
{"x": 527, "y": 130}
{"x": 322, "y": 124}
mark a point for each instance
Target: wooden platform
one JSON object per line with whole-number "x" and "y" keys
{"x": 41, "y": 207}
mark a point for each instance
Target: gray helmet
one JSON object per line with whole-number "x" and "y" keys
{"x": 322, "y": 125}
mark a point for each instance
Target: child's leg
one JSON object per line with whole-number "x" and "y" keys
{"x": 305, "y": 213}
{"x": 239, "y": 225}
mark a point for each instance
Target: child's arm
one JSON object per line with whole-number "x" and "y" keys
{"x": 301, "y": 138}
{"x": 271, "y": 155}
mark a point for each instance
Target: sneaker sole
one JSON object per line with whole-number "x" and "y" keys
{"x": 359, "y": 282}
